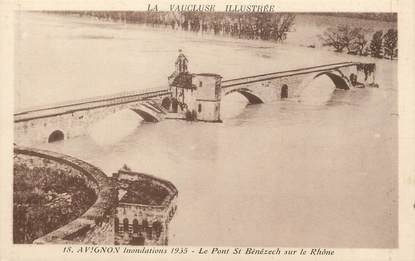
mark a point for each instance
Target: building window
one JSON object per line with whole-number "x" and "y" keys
{"x": 200, "y": 83}
{"x": 149, "y": 233}
{"x": 125, "y": 225}
{"x": 199, "y": 108}
{"x": 284, "y": 91}
{"x": 136, "y": 228}
{"x": 144, "y": 223}
{"x": 158, "y": 228}
{"x": 116, "y": 225}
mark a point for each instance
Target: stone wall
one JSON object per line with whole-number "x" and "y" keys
{"x": 89, "y": 227}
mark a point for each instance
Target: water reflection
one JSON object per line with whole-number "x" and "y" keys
{"x": 318, "y": 92}
{"x": 232, "y": 105}
{"x": 114, "y": 127}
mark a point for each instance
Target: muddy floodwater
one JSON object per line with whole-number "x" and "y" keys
{"x": 318, "y": 170}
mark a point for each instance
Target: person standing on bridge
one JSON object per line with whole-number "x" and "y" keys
{"x": 181, "y": 63}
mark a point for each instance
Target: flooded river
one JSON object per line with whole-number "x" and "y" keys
{"x": 316, "y": 171}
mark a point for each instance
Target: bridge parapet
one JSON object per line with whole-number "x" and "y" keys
{"x": 282, "y": 74}
{"x": 90, "y": 103}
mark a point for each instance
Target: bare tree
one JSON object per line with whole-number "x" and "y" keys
{"x": 331, "y": 37}
{"x": 341, "y": 37}
{"x": 359, "y": 45}
{"x": 282, "y": 25}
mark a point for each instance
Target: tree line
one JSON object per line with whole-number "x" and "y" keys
{"x": 354, "y": 41}
{"x": 264, "y": 26}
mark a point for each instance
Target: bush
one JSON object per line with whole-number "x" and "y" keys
{"x": 45, "y": 199}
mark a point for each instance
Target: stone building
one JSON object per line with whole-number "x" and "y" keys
{"x": 145, "y": 207}
{"x": 198, "y": 95}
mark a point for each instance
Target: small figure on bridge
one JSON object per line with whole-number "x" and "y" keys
{"x": 181, "y": 63}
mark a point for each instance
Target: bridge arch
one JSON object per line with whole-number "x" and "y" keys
{"x": 338, "y": 80}
{"x": 145, "y": 115}
{"x": 335, "y": 76}
{"x": 149, "y": 111}
{"x": 166, "y": 102}
{"x": 56, "y": 135}
{"x": 248, "y": 94}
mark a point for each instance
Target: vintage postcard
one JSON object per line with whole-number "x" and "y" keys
{"x": 190, "y": 130}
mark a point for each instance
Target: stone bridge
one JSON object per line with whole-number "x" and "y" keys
{"x": 288, "y": 84}
{"x": 69, "y": 120}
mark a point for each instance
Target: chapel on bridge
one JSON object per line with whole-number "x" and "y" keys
{"x": 194, "y": 96}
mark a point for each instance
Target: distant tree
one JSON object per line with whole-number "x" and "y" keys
{"x": 331, "y": 37}
{"x": 390, "y": 42}
{"x": 341, "y": 37}
{"x": 359, "y": 45}
{"x": 366, "y": 51}
{"x": 281, "y": 25}
{"x": 376, "y": 44}
{"x": 352, "y": 36}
